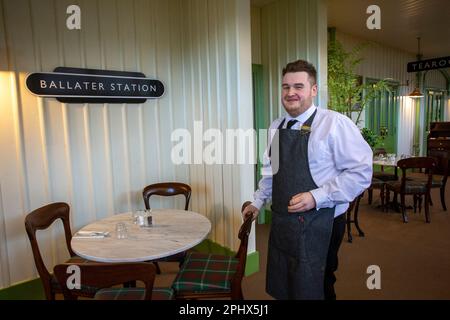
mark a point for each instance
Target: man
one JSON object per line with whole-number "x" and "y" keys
{"x": 317, "y": 163}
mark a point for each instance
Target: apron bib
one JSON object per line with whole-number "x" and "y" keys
{"x": 298, "y": 242}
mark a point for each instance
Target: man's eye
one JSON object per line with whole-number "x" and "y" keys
{"x": 298, "y": 87}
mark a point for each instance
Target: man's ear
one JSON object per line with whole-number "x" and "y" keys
{"x": 314, "y": 89}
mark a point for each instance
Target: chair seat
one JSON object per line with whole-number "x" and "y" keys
{"x": 133, "y": 294}
{"x": 205, "y": 273}
{"x": 384, "y": 176}
{"x": 436, "y": 182}
{"x": 411, "y": 186}
{"x": 377, "y": 183}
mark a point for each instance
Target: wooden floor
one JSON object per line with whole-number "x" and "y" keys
{"x": 414, "y": 258}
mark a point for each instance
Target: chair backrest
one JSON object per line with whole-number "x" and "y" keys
{"x": 105, "y": 275}
{"x": 243, "y": 234}
{"x": 41, "y": 219}
{"x": 442, "y": 157}
{"x": 167, "y": 189}
{"x": 427, "y": 163}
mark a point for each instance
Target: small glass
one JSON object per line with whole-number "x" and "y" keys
{"x": 121, "y": 231}
{"x": 391, "y": 157}
{"x": 136, "y": 214}
{"x": 149, "y": 218}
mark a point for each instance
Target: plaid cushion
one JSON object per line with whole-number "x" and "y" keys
{"x": 205, "y": 272}
{"x": 410, "y": 186}
{"x": 436, "y": 181}
{"x": 384, "y": 176}
{"x": 133, "y": 294}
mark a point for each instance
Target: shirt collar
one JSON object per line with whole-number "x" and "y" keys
{"x": 304, "y": 116}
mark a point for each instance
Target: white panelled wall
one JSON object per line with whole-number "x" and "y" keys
{"x": 292, "y": 30}
{"x": 98, "y": 157}
{"x": 381, "y": 62}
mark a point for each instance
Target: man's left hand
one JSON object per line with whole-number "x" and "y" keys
{"x": 302, "y": 202}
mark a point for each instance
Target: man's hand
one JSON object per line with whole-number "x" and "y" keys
{"x": 250, "y": 210}
{"x": 302, "y": 202}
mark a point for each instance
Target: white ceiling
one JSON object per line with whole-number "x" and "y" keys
{"x": 402, "y": 21}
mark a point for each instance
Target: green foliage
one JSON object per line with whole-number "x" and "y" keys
{"x": 346, "y": 94}
{"x": 371, "y": 137}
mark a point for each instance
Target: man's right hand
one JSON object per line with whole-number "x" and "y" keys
{"x": 250, "y": 210}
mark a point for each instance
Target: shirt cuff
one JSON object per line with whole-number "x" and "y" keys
{"x": 258, "y": 204}
{"x": 320, "y": 197}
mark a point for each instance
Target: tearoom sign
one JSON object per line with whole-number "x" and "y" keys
{"x": 75, "y": 85}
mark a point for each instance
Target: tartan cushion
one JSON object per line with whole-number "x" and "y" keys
{"x": 205, "y": 272}
{"x": 436, "y": 181}
{"x": 133, "y": 294}
{"x": 410, "y": 186}
{"x": 384, "y": 176}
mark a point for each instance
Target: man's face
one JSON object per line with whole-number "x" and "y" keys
{"x": 297, "y": 93}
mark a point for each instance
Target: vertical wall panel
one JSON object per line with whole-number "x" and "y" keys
{"x": 291, "y": 30}
{"x": 98, "y": 157}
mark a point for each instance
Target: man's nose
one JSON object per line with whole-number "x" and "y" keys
{"x": 291, "y": 91}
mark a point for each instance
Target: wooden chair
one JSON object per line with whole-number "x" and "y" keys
{"x": 41, "y": 219}
{"x": 377, "y": 184}
{"x": 440, "y": 173}
{"x": 353, "y": 207}
{"x": 408, "y": 186}
{"x": 168, "y": 189}
{"x": 104, "y": 276}
{"x": 213, "y": 276}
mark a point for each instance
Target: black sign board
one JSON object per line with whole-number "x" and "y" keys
{"x": 430, "y": 64}
{"x": 74, "y": 85}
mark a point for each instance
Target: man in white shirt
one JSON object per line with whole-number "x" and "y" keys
{"x": 317, "y": 162}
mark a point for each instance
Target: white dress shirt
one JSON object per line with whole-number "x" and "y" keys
{"x": 340, "y": 160}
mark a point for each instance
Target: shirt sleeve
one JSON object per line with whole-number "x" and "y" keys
{"x": 353, "y": 159}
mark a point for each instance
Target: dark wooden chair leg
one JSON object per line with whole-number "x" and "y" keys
{"x": 383, "y": 204}
{"x": 442, "y": 192}
{"x": 395, "y": 202}
{"x": 349, "y": 231}
{"x": 158, "y": 270}
{"x": 416, "y": 201}
{"x": 403, "y": 208}
{"x": 427, "y": 208}
{"x": 370, "y": 191}
{"x": 420, "y": 203}
{"x": 387, "y": 199}
{"x": 360, "y": 232}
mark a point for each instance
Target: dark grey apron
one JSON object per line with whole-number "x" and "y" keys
{"x": 298, "y": 242}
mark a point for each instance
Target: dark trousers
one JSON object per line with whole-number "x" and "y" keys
{"x": 332, "y": 260}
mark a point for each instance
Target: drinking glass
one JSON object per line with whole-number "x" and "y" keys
{"x": 121, "y": 231}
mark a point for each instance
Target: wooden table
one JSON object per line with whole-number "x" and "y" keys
{"x": 173, "y": 231}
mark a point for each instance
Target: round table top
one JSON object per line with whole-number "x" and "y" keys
{"x": 173, "y": 231}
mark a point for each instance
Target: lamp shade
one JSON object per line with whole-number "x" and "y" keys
{"x": 416, "y": 93}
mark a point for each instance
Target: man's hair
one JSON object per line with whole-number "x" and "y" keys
{"x": 302, "y": 65}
